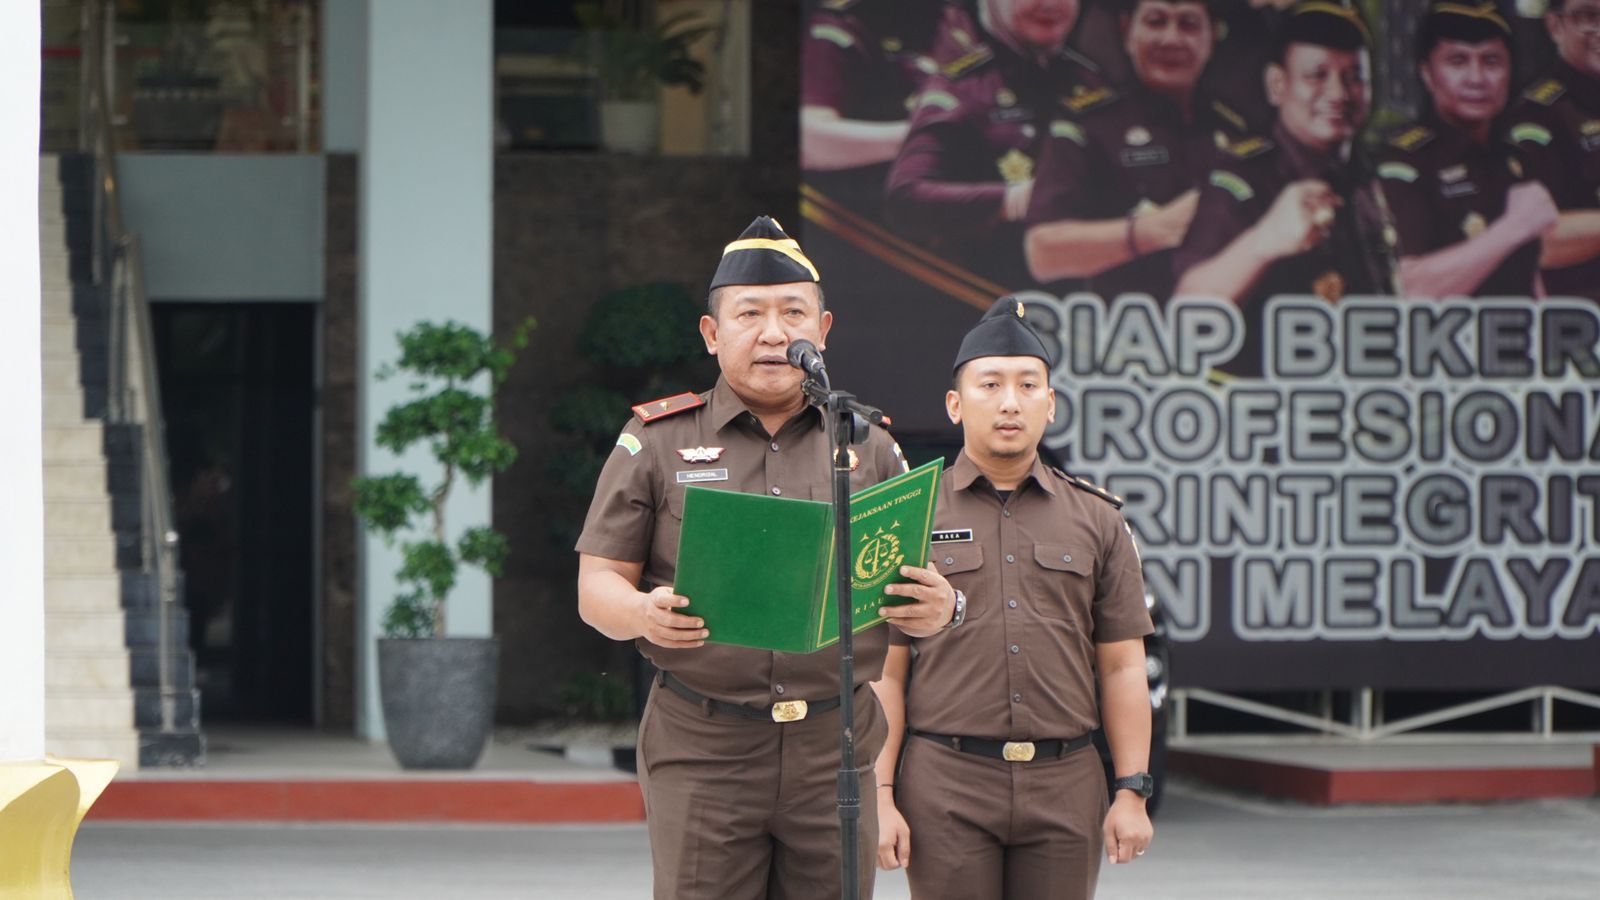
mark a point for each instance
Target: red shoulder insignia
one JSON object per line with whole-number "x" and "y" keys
{"x": 667, "y": 406}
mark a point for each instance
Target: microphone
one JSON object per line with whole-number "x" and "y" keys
{"x": 805, "y": 356}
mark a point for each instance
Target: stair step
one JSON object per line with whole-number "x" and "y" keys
{"x": 181, "y": 748}
{"x": 60, "y": 336}
{"x": 63, "y": 407}
{"x": 69, "y": 631}
{"x": 83, "y": 710}
{"x": 89, "y": 555}
{"x": 57, "y": 302}
{"x": 144, "y": 668}
{"x": 92, "y": 670}
{"x": 74, "y": 479}
{"x": 77, "y": 518}
{"x": 147, "y": 708}
{"x": 76, "y": 442}
{"x": 122, "y": 746}
{"x": 82, "y": 593}
{"x": 55, "y": 269}
{"x": 61, "y": 373}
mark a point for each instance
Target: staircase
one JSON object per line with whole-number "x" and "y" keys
{"x": 102, "y": 608}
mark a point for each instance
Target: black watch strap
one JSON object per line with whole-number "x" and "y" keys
{"x": 1141, "y": 783}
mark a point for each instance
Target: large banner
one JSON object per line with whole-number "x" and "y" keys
{"x": 1320, "y": 279}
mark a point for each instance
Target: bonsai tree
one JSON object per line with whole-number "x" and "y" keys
{"x": 634, "y": 60}
{"x": 452, "y": 412}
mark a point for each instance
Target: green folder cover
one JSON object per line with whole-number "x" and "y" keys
{"x": 759, "y": 569}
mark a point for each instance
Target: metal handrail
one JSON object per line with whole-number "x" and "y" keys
{"x": 134, "y": 395}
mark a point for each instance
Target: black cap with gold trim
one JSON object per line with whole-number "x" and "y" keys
{"x": 763, "y": 254}
{"x": 1003, "y": 331}
{"x": 1468, "y": 21}
{"x": 1336, "y": 24}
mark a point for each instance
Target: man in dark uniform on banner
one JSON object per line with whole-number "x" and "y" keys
{"x": 1000, "y": 794}
{"x": 1295, "y": 213}
{"x": 961, "y": 182}
{"x": 739, "y": 748}
{"x": 1117, "y": 185}
{"x": 1468, "y": 222}
{"x": 1556, "y": 128}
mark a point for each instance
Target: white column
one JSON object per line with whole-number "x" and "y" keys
{"x": 426, "y": 253}
{"x": 21, "y": 452}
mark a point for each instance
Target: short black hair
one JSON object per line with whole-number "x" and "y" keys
{"x": 1459, "y": 22}
{"x": 1322, "y": 23}
{"x": 715, "y": 296}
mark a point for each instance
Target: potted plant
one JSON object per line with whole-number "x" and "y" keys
{"x": 633, "y": 63}
{"x": 438, "y": 692}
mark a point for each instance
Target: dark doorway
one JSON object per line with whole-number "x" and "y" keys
{"x": 237, "y": 388}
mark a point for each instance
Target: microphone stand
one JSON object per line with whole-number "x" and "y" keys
{"x": 847, "y": 422}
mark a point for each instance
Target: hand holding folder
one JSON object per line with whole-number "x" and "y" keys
{"x": 759, "y": 569}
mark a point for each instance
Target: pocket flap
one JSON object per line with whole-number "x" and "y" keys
{"x": 1063, "y": 558}
{"x": 953, "y": 557}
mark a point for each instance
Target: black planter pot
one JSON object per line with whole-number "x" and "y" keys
{"x": 438, "y": 699}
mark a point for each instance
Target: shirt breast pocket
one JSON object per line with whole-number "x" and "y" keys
{"x": 959, "y": 563}
{"x": 1061, "y": 582}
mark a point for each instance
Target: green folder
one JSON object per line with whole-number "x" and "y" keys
{"x": 759, "y": 569}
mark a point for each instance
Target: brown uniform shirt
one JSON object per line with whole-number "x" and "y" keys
{"x": 1556, "y": 128}
{"x": 637, "y": 515}
{"x": 976, "y": 130}
{"x": 1442, "y": 187}
{"x": 1047, "y": 575}
{"x": 1356, "y": 258}
{"x": 1129, "y": 153}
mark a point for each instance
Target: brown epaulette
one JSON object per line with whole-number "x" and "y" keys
{"x": 1545, "y": 92}
{"x": 1229, "y": 115}
{"x": 968, "y": 62}
{"x": 657, "y": 410}
{"x": 1084, "y": 484}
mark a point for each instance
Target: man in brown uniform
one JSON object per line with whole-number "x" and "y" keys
{"x": 961, "y": 182}
{"x": 1556, "y": 126}
{"x": 1468, "y": 223}
{"x": 1117, "y": 184}
{"x": 739, "y": 748}
{"x": 1295, "y": 213}
{"x": 999, "y": 792}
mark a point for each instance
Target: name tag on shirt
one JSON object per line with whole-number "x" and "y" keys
{"x": 953, "y": 536}
{"x": 697, "y": 475}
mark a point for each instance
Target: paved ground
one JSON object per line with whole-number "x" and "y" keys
{"x": 1209, "y": 846}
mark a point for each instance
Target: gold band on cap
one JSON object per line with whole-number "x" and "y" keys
{"x": 1335, "y": 9}
{"x": 1485, "y": 11}
{"x": 789, "y": 247}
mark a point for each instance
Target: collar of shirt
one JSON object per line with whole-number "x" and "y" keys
{"x": 1337, "y": 170}
{"x": 726, "y": 406}
{"x": 1452, "y": 142}
{"x": 1584, "y": 89}
{"x": 964, "y": 473}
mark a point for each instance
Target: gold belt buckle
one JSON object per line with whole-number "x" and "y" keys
{"x": 1018, "y": 751}
{"x": 789, "y": 711}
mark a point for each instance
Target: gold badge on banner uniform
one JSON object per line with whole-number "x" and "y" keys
{"x": 1473, "y": 225}
{"x": 1005, "y": 97}
{"x": 1391, "y": 237}
{"x": 855, "y": 461}
{"x": 700, "y": 454}
{"x": 892, "y": 44}
{"x": 1015, "y": 167}
{"x": 1220, "y": 139}
{"x": 1144, "y": 206}
{"x": 1453, "y": 174}
{"x": 1137, "y": 136}
{"x": 1514, "y": 166}
{"x": 1329, "y": 286}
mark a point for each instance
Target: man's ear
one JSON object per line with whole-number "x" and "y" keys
{"x": 1050, "y": 414}
{"x": 827, "y": 323}
{"x": 952, "y": 406}
{"x": 1276, "y": 81}
{"x": 708, "y": 331}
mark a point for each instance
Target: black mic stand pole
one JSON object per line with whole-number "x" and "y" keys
{"x": 846, "y": 420}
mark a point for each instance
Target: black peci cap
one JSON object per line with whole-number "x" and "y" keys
{"x": 1335, "y": 24}
{"x": 1003, "y": 331}
{"x": 763, "y": 254}
{"x": 1469, "y": 22}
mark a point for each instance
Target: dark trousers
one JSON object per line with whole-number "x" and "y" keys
{"x": 1000, "y": 830}
{"x": 745, "y": 810}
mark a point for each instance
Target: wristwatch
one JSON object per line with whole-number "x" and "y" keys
{"x": 1141, "y": 783}
{"x": 960, "y": 614}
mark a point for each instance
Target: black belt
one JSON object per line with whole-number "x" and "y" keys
{"x": 782, "y": 711}
{"x": 1010, "y": 751}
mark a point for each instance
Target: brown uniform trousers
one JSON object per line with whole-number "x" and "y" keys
{"x": 734, "y": 806}
{"x": 977, "y": 823}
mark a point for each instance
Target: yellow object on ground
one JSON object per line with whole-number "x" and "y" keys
{"x": 41, "y": 805}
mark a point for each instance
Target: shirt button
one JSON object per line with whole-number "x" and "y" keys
{"x": 1015, "y": 649}
{"x": 1010, "y": 558}
{"x": 1016, "y": 698}
{"x": 777, "y": 689}
{"x": 777, "y": 491}
{"x": 774, "y": 446}
{"x": 1006, "y": 513}
{"x": 949, "y": 560}
{"x": 1066, "y": 557}
{"x": 1011, "y": 603}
